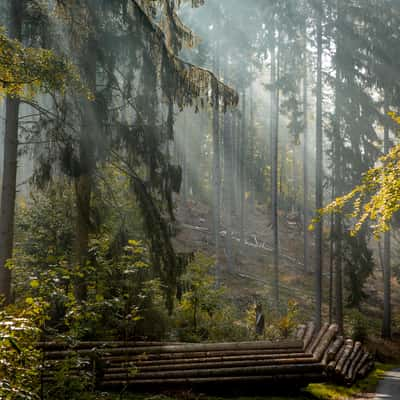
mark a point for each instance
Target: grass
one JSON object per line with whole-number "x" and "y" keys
{"x": 335, "y": 392}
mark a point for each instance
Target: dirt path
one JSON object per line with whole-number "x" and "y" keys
{"x": 389, "y": 386}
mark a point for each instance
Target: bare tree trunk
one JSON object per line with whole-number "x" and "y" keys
{"x": 228, "y": 185}
{"x": 216, "y": 171}
{"x": 251, "y": 152}
{"x": 339, "y": 272}
{"x": 236, "y": 165}
{"x": 10, "y": 159}
{"x": 338, "y": 222}
{"x": 274, "y": 163}
{"x": 243, "y": 152}
{"x": 185, "y": 172}
{"x": 305, "y": 166}
{"x": 319, "y": 177}
{"x": 387, "y": 275}
{"x": 83, "y": 183}
{"x": 331, "y": 259}
{"x": 83, "y": 191}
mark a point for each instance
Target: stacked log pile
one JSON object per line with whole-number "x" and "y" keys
{"x": 344, "y": 360}
{"x": 312, "y": 357}
{"x": 150, "y": 365}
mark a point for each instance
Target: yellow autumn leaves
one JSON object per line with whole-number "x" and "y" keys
{"x": 377, "y": 198}
{"x": 24, "y": 71}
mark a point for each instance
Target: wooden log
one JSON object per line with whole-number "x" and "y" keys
{"x": 366, "y": 358}
{"x": 332, "y": 364}
{"x": 143, "y": 361}
{"x": 340, "y": 352}
{"x": 325, "y": 341}
{"x": 350, "y": 359}
{"x": 149, "y": 354}
{"x": 364, "y": 371}
{"x": 361, "y": 362}
{"x": 214, "y": 365}
{"x": 160, "y": 363}
{"x": 309, "y": 334}
{"x": 314, "y": 343}
{"x": 301, "y": 332}
{"x": 305, "y": 379}
{"x": 351, "y": 372}
{"x": 54, "y": 345}
{"x": 219, "y": 359}
{"x": 190, "y": 348}
{"x": 220, "y": 372}
{"x": 126, "y": 369}
{"x": 324, "y": 360}
{"x": 347, "y": 351}
{"x": 334, "y": 348}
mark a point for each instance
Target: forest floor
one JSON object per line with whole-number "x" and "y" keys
{"x": 250, "y": 277}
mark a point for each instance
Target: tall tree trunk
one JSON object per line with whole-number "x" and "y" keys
{"x": 319, "y": 177}
{"x": 184, "y": 164}
{"x": 305, "y": 167}
{"x": 236, "y": 146}
{"x": 84, "y": 183}
{"x": 243, "y": 180}
{"x": 251, "y": 152}
{"x": 216, "y": 170}
{"x": 274, "y": 163}
{"x": 10, "y": 159}
{"x": 228, "y": 185}
{"x": 83, "y": 193}
{"x": 387, "y": 275}
{"x": 338, "y": 272}
{"x": 338, "y": 222}
{"x": 331, "y": 257}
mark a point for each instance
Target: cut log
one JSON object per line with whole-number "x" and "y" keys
{"x": 364, "y": 371}
{"x": 138, "y": 364}
{"x": 350, "y": 359}
{"x": 314, "y": 343}
{"x": 325, "y": 341}
{"x": 191, "y": 348}
{"x": 144, "y": 360}
{"x": 119, "y": 360}
{"x": 221, "y": 372}
{"x": 54, "y": 345}
{"x": 134, "y": 384}
{"x": 366, "y": 357}
{"x": 216, "y": 365}
{"x": 126, "y": 369}
{"x": 148, "y": 353}
{"x": 332, "y": 364}
{"x": 346, "y": 353}
{"x": 351, "y": 373}
{"x": 309, "y": 334}
{"x": 334, "y": 348}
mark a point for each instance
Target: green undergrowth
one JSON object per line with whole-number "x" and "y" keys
{"x": 327, "y": 391}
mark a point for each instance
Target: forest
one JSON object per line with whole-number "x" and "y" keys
{"x": 199, "y": 198}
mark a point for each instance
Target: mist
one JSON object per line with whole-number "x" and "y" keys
{"x": 202, "y": 171}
